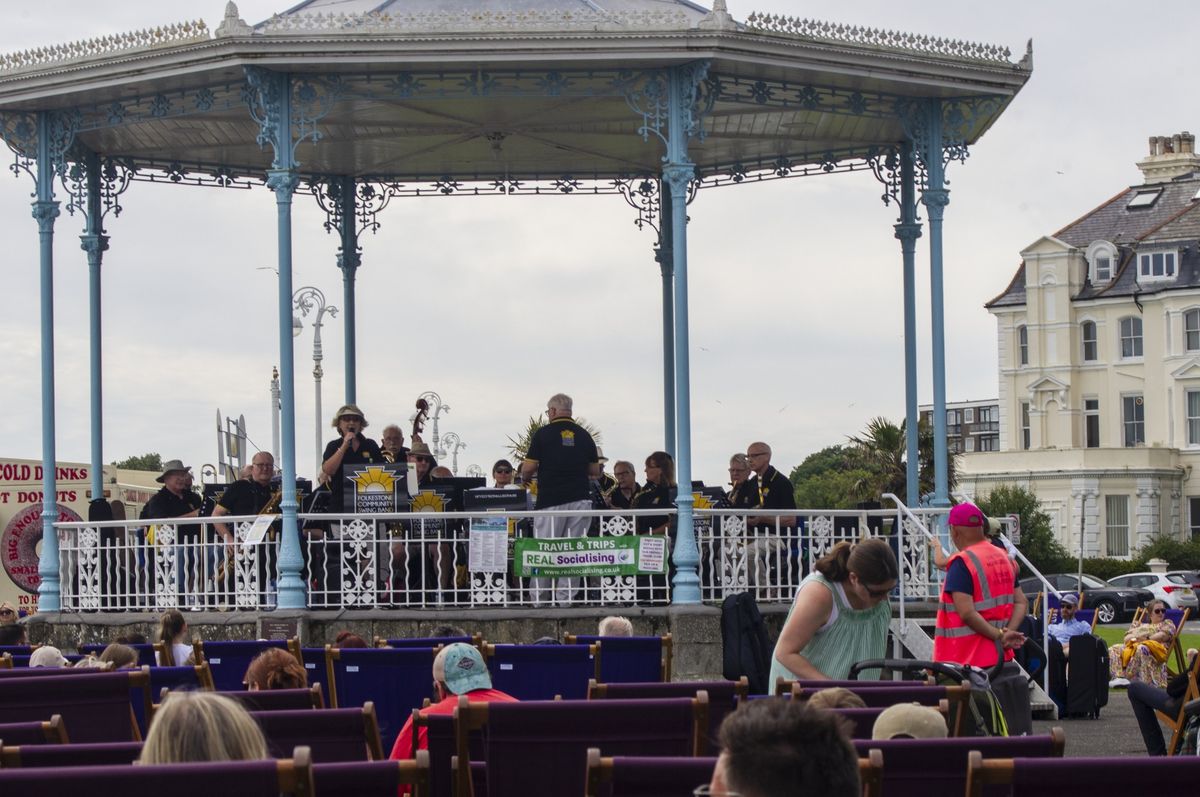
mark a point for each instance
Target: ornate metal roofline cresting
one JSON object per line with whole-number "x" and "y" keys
{"x": 146, "y": 39}
{"x": 898, "y": 41}
{"x": 498, "y": 21}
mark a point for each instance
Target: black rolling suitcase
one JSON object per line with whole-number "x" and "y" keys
{"x": 1087, "y": 676}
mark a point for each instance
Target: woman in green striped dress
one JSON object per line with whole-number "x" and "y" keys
{"x": 840, "y": 615}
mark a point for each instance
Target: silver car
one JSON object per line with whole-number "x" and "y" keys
{"x": 1170, "y": 587}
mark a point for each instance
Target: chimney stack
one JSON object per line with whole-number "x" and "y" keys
{"x": 1170, "y": 157}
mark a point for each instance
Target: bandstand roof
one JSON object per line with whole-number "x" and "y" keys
{"x": 468, "y": 89}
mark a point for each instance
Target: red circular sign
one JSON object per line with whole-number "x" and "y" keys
{"x": 18, "y": 544}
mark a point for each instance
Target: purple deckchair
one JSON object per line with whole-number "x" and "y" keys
{"x": 333, "y": 734}
{"x": 308, "y": 697}
{"x": 540, "y": 747}
{"x": 920, "y": 767}
{"x": 371, "y": 778}
{"x": 291, "y": 776}
{"x": 95, "y": 705}
{"x": 228, "y": 660}
{"x": 541, "y": 672}
{"x": 723, "y": 696}
{"x": 51, "y": 731}
{"x": 1053, "y": 777}
{"x": 632, "y": 659}
{"x": 69, "y": 755}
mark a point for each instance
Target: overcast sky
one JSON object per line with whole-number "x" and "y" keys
{"x": 497, "y": 303}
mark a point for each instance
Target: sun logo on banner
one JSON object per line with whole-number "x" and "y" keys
{"x": 428, "y": 502}
{"x": 374, "y": 480}
{"x": 700, "y": 501}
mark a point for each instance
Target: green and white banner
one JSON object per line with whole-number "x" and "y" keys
{"x": 590, "y": 556}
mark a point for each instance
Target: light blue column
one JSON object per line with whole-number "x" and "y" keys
{"x": 275, "y": 94}
{"x": 95, "y": 243}
{"x": 349, "y": 259}
{"x": 908, "y": 230}
{"x": 677, "y": 173}
{"x": 666, "y": 263}
{"x": 45, "y": 211}
{"x": 935, "y": 198}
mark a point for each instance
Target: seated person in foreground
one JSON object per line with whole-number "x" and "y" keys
{"x": 201, "y": 726}
{"x": 1142, "y": 656}
{"x": 910, "y": 721}
{"x": 1068, "y": 626}
{"x": 615, "y": 625}
{"x": 275, "y": 668}
{"x": 1145, "y": 699}
{"x": 458, "y": 669}
{"x": 781, "y": 748}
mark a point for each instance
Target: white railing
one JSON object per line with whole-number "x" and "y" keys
{"x": 424, "y": 560}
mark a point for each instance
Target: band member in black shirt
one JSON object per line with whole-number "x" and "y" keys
{"x": 621, "y": 496}
{"x": 775, "y": 491}
{"x": 350, "y": 448}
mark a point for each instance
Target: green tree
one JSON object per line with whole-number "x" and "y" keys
{"x": 1038, "y": 540}
{"x": 837, "y": 458}
{"x": 519, "y": 445}
{"x": 832, "y": 489}
{"x": 882, "y": 450}
{"x": 151, "y": 461}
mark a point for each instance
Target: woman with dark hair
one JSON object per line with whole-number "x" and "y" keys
{"x": 840, "y": 615}
{"x": 275, "y": 668}
{"x": 119, "y": 657}
{"x": 1142, "y": 655}
{"x": 656, "y": 493}
{"x": 349, "y": 639}
{"x": 172, "y": 633}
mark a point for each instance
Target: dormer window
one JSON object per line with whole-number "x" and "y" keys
{"x": 1156, "y": 265}
{"x": 1101, "y": 258}
{"x": 1144, "y": 199}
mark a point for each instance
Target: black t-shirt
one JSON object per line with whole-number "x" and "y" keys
{"x": 368, "y": 452}
{"x": 745, "y": 495}
{"x": 776, "y": 492}
{"x": 652, "y": 496}
{"x": 618, "y": 500}
{"x": 165, "y": 504}
{"x": 245, "y": 497}
{"x": 564, "y": 453}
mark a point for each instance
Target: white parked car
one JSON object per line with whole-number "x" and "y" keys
{"x": 1171, "y": 587}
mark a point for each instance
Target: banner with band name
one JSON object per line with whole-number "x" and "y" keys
{"x": 590, "y": 556}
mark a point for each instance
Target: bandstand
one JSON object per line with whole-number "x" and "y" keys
{"x": 358, "y": 104}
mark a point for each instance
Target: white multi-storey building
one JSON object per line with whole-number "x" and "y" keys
{"x": 1099, "y": 352}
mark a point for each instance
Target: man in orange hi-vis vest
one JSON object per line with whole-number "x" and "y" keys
{"x": 980, "y": 604}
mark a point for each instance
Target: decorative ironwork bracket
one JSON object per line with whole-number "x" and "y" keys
{"x": 114, "y": 175}
{"x": 20, "y": 133}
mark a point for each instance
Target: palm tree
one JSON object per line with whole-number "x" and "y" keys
{"x": 518, "y": 446}
{"x": 882, "y": 449}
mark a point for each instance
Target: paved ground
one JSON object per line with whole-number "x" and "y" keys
{"x": 1114, "y": 734}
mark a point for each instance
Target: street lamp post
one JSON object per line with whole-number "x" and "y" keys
{"x": 439, "y": 407}
{"x": 453, "y": 443}
{"x": 309, "y": 299}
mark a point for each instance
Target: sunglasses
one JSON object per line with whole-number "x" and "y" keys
{"x": 503, "y": 470}
{"x": 878, "y": 593}
{"x": 1158, "y": 611}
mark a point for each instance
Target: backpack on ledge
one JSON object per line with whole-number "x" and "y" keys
{"x": 745, "y": 646}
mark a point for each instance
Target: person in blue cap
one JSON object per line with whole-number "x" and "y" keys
{"x": 458, "y": 669}
{"x": 1069, "y": 626}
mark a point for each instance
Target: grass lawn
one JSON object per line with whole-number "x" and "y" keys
{"x": 1113, "y": 634}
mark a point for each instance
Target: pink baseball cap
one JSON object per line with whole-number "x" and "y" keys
{"x": 966, "y": 514}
